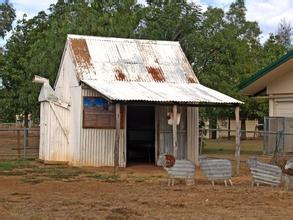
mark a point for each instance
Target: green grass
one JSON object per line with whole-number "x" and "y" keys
{"x": 104, "y": 177}
{"x": 224, "y": 146}
{"x": 31, "y": 179}
{"x": 15, "y": 164}
{"x": 57, "y": 173}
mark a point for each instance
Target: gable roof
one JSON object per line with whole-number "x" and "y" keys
{"x": 258, "y": 82}
{"x": 139, "y": 70}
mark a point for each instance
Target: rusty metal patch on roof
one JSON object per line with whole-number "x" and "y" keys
{"x": 156, "y": 73}
{"x": 119, "y": 75}
{"x": 139, "y": 70}
{"x": 191, "y": 79}
{"x": 114, "y": 59}
{"x": 81, "y": 52}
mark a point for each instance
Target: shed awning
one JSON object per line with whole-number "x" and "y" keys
{"x": 190, "y": 93}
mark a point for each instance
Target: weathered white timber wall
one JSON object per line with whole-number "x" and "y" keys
{"x": 54, "y": 130}
{"x": 68, "y": 89}
{"x": 75, "y": 125}
{"x": 66, "y": 77}
{"x": 97, "y": 145}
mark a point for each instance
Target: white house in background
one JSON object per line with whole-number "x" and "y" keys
{"x": 149, "y": 80}
{"x": 222, "y": 124}
{"x": 276, "y": 82}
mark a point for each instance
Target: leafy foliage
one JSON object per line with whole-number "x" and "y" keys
{"x": 223, "y": 47}
{"x": 7, "y": 16}
{"x": 285, "y": 34}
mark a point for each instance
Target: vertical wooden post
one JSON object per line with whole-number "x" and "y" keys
{"x": 18, "y": 143}
{"x": 237, "y": 139}
{"x": 174, "y": 126}
{"x": 229, "y": 128}
{"x": 117, "y": 137}
{"x": 25, "y": 141}
{"x": 196, "y": 140}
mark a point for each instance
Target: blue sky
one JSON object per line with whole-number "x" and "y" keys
{"x": 267, "y": 13}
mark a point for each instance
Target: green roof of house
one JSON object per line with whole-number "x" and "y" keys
{"x": 265, "y": 70}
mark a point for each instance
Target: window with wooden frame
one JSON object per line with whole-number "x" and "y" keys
{"x": 99, "y": 113}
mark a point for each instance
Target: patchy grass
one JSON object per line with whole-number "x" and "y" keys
{"x": 122, "y": 213}
{"x": 31, "y": 179}
{"x": 144, "y": 178}
{"x": 57, "y": 173}
{"x": 104, "y": 177}
{"x": 225, "y": 146}
{"x": 34, "y": 172}
{"x": 9, "y": 165}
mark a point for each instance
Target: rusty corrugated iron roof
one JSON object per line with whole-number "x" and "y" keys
{"x": 116, "y": 59}
{"x": 139, "y": 70}
{"x": 159, "y": 92}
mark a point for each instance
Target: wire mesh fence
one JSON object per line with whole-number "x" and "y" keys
{"x": 255, "y": 142}
{"x": 24, "y": 142}
{"x": 282, "y": 139}
{"x": 16, "y": 143}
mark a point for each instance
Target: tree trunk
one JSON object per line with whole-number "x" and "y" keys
{"x": 26, "y": 130}
{"x": 213, "y": 125}
{"x": 229, "y": 127}
{"x": 243, "y": 127}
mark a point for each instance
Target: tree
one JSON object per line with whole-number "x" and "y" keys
{"x": 285, "y": 34}
{"x": 169, "y": 20}
{"x": 228, "y": 52}
{"x": 223, "y": 48}
{"x": 272, "y": 49}
{"x": 7, "y": 16}
{"x": 36, "y": 45}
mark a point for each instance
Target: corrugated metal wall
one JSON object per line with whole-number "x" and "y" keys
{"x": 97, "y": 145}
{"x": 54, "y": 132}
{"x": 192, "y": 134}
{"x": 165, "y": 144}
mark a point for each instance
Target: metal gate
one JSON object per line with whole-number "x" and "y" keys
{"x": 278, "y": 135}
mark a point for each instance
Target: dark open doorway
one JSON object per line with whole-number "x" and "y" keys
{"x": 140, "y": 134}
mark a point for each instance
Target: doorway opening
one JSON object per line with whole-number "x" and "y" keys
{"x": 140, "y": 134}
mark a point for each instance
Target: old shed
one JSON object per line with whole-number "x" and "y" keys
{"x": 115, "y": 100}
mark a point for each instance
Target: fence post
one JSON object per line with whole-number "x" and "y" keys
{"x": 25, "y": 137}
{"x": 237, "y": 140}
{"x": 18, "y": 144}
{"x": 117, "y": 138}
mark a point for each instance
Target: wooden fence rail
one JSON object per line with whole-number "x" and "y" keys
{"x": 18, "y": 143}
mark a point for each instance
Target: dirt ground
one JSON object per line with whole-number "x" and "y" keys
{"x": 141, "y": 192}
